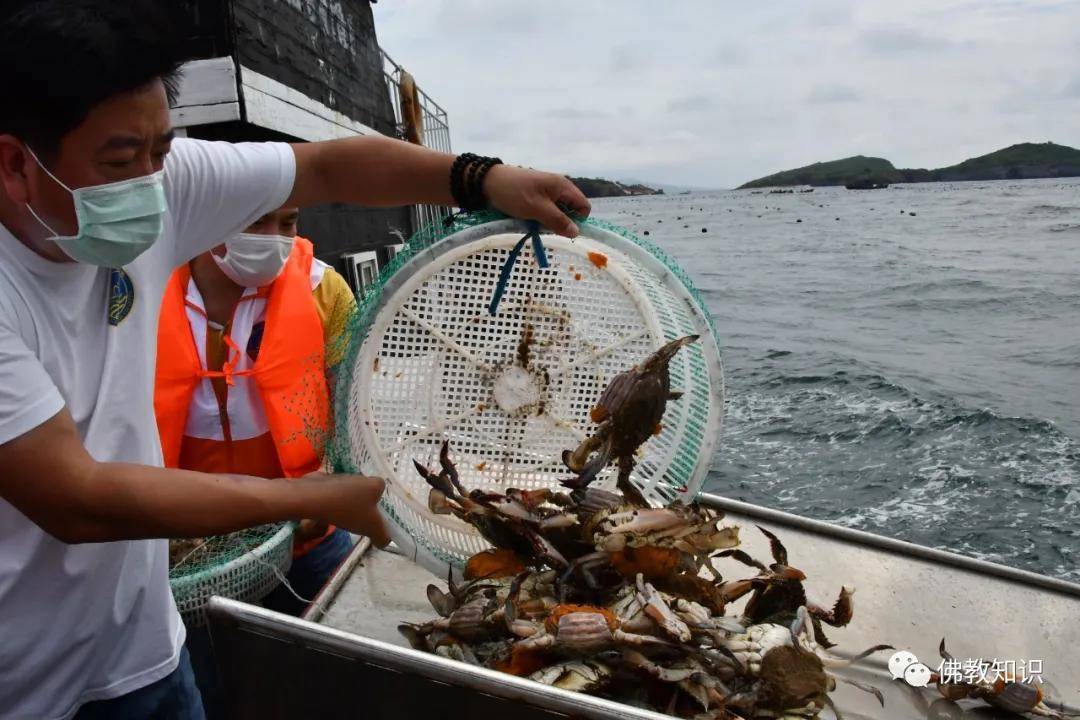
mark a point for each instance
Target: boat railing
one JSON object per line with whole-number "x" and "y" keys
{"x": 435, "y": 132}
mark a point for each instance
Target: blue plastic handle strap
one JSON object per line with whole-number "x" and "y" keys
{"x": 508, "y": 266}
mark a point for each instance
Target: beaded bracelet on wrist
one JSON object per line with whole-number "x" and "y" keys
{"x": 467, "y": 180}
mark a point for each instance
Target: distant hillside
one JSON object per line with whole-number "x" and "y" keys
{"x": 835, "y": 172}
{"x": 1022, "y": 161}
{"x": 598, "y": 187}
{"x": 1026, "y": 160}
{"x": 668, "y": 188}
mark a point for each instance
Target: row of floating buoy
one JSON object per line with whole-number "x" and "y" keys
{"x": 704, "y": 230}
{"x": 797, "y": 220}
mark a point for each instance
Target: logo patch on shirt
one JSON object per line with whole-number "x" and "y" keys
{"x": 121, "y": 296}
{"x": 255, "y": 340}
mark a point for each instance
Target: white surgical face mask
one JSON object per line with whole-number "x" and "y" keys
{"x": 253, "y": 260}
{"x": 117, "y": 221}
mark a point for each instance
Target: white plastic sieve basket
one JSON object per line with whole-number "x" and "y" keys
{"x": 433, "y": 364}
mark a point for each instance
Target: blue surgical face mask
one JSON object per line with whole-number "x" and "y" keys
{"x": 117, "y": 221}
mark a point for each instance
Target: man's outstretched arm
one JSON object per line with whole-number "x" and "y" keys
{"x": 50, "y": 477}
{"x": 382, "y": 172}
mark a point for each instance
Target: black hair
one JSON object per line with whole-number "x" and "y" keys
{"x": 60, "y": 58}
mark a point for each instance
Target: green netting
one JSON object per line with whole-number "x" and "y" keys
{"x": 243, "y": 565}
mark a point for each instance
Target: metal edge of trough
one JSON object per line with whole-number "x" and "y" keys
{"x": 897, "y": 547}
{"x": 430, "y": 666}
{"x": 316, "y": 611}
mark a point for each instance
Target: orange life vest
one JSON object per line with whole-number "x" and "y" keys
{"x": 289, "y": 370}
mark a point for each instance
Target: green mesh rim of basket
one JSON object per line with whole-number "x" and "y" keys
{"x": 337, "y": 447}
{"x": 188, "y": 575}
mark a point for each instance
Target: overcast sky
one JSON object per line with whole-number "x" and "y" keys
{"x": 715, "y": 93}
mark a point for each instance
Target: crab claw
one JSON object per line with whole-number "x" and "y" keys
{"x": 412, "y": 634}
{"x": 523, "y": 628}
{"x": 579, "y": 463}
{"x": 443, "y": 603}
{"x": 448, "y": 467}
{"x": 440, "y": 482}
{"x": 437, "y": 502}
{"x": 841, "y": 612}
{"x": 786, "y": 572}
{"x": 779, "y": 552}
{"x": 655, "y": 608}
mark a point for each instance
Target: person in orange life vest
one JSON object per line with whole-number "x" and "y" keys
{"x": 246, "y": 339}
{"x": 247, "y": 333}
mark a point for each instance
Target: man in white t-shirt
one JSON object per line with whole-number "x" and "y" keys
{"x": 98, "y": 204}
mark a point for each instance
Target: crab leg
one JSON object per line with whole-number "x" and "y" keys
{"x": 866, "y": 688}
{"x": 629, "y": 490}
{"x": 584, "y": 564}
{"x": 655, "y": 607}
{"x": 801, "y": 640}
{"x": 743, "y": 557}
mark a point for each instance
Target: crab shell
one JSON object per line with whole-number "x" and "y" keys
{"x": 1014, "y": 696}
{"x": 471, "y": 623}
{"x": 793, "y": 682}
{"x": 582, "y": 629}
{"x": 493, "y": 564}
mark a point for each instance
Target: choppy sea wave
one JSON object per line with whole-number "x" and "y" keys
{"x": 915, "y": 374}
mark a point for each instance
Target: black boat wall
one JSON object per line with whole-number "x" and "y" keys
{"x": 328, "y": 51}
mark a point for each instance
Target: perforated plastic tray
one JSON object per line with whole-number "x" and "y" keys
{"x": 512, "y": 391}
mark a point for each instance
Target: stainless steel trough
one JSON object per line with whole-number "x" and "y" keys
{"x": 347, "y": 657}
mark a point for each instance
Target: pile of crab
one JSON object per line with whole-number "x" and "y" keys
{"x": 587, "y": 591}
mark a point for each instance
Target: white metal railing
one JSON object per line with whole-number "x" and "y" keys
{"x": 435, "y": 132}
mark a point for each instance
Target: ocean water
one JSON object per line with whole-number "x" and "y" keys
{"x": 903, "y": 361}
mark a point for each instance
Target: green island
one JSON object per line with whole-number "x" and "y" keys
{"x": 598, "y": 187}
{"x": 1016, "y": 162}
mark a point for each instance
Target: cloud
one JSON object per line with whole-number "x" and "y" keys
{"x": 628, "y": 56}
{"x": 575, "y": 113}
{"x": 830, "y": 93}
{"x": 898, "y": 40}
{"x": 823, "y": 15}
{"x": 690, "y": 103}
{"x": 720, "y": 93}
{"x": 729, "y": 54}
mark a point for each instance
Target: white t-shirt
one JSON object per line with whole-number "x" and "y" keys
{"x": 93, "y": 621}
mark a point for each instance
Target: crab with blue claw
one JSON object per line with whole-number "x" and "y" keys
{"x": 628, "y": 413}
